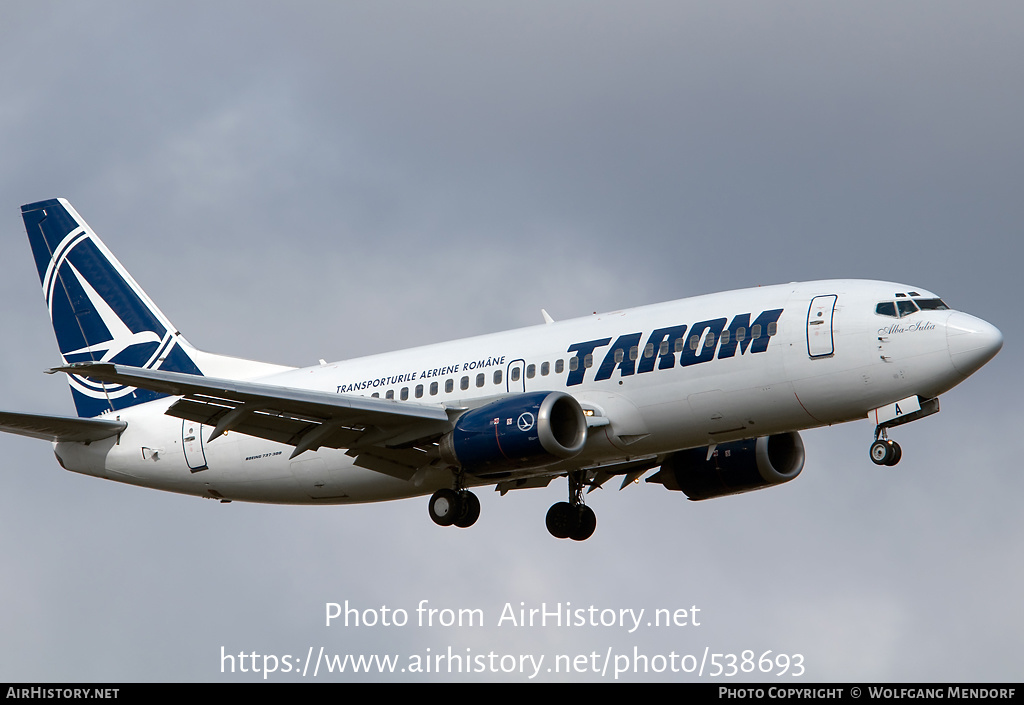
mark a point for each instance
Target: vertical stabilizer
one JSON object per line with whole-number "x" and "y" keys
{"x": 98, "y": 311}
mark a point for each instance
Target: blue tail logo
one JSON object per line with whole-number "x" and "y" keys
{"x": 99, "y": 313}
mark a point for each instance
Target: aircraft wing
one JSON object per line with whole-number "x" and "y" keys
{"x": 304, "y": 418}
{"x": 59, "y": 428}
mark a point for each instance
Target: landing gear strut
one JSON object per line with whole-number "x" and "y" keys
{"x": 885, "y": 451}
{"x": 459, "y": 508}
{"x": 573, "y": 519}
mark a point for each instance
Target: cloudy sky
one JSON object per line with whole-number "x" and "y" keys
{"x": 331, "y": 179}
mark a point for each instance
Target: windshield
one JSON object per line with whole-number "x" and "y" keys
{"x": 903, "y": 307}
{"x": 931, "y": 304}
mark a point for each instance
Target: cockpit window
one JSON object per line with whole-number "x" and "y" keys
{"x": 932, "y": 304}
{"x": 886, "y": 308}
{"x": 906, "y": 307}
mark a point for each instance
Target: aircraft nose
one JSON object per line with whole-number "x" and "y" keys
{"x": 971, "y": 341}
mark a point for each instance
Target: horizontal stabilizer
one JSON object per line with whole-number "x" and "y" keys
{"x": 59, "y": 428}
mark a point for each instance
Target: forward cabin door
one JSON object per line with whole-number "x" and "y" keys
{"x": 820, "y": 341}
{"x": 516, "y": 376}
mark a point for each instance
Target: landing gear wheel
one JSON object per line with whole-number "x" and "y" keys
{"x": 886, "y": 452}
{"x": 573, "y": 519}
{"x": 468, "y": 510}
{"x": 879, "y": 452}
{"x": 897, "y": 453}
{"x": 445, "y": 507}
{"x": 569, "y": 521}
{"x": 585, "y": 524}
{"x": 561, "y": 520}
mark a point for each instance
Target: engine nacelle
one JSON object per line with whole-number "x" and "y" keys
{"x": 740, "y": 466}
{"x": 521, "y": 431}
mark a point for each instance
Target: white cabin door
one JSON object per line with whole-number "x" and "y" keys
{"x": 820, "y": 342}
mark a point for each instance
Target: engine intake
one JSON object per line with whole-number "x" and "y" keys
{"x": 740, "y": 466}
{"x": 521, "y": 431}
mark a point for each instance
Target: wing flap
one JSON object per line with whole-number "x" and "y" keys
{"x": 290, "y": 399}
{"x": 524, "y": 483}
{"x": 277, "y": 427}
{"x": 401, "y": 464}
{"x": 304, "y": 418}
{"x": 59, "y": 428}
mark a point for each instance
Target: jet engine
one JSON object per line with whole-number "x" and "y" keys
{"x": 521, "y": 431}
{"x": 740, "y": 466}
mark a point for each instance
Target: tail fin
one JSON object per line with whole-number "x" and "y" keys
{"x": 98, "y": 311}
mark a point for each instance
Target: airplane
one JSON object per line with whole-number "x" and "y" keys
{"x": 708, "y": 392}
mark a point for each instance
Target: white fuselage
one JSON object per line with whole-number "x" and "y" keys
{"x": 828, "y": 357}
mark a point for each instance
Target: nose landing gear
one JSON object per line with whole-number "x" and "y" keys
{"x": 888, "y": 452}
{"x": 885, "y": 452}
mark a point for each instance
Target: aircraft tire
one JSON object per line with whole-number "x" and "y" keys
{"x": 897, "y": 453}
{"x": 885, "y": 452}
{"x": 444, "y": 507}
{"x": 879, "y": 452}
{"x": 586, "y": 524}
{"x": 562, "y": 520}
{"x": 469, "y": 510}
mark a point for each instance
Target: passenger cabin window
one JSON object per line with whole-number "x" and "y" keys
{"x": 497, "y": 376}
{"x": 449, "y": 385}
{"x": 545, "y": 369}
{"x": 559, "y": 366}
{"x": 480, "y": 380}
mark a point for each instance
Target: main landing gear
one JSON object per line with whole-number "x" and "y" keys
{"x": 565, "y": 520}
{"x": 459, "y": 508}
{"x": 885, "y": 451}
{"x": 573, "y": 519}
